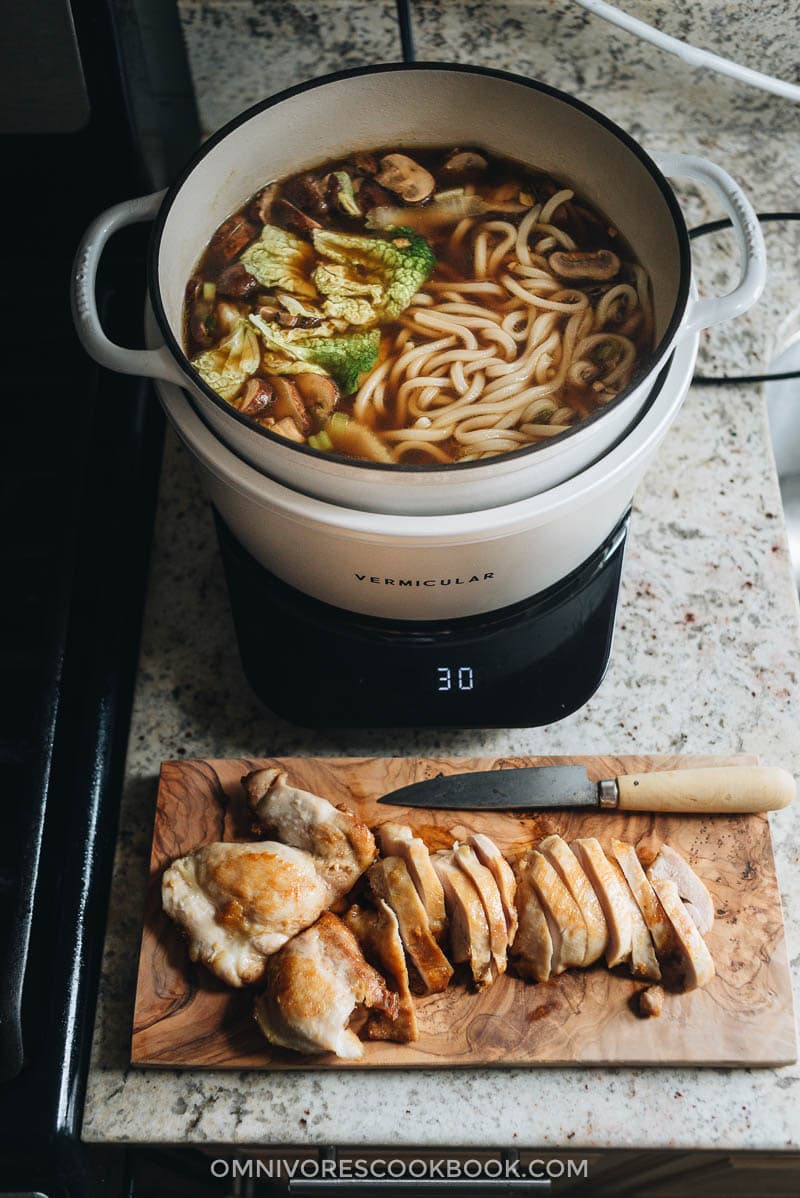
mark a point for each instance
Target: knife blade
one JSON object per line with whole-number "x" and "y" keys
{"x": 729, "y": 790}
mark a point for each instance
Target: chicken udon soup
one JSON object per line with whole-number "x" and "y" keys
{"x": 442, "y": 306}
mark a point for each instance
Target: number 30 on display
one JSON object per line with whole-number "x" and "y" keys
{"x": 455, "y": 678}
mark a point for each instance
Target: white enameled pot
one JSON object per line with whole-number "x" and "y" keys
{"x": 429, "y": 567}
{"x": 423, "y": 104}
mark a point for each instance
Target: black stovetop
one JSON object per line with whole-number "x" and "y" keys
{"x": 79, "y": 462}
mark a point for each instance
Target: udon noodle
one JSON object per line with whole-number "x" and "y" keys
{"x": 498, "y": 350}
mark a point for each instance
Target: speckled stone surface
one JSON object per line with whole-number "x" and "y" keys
{"x": 707, "y": 654}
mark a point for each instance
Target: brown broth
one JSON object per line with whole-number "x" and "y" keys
{"x": 219, "y": 270}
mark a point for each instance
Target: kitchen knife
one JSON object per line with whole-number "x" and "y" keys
{"x": 724, "y": 790}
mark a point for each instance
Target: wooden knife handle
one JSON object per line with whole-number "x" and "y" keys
{"x": 724, "y": 790}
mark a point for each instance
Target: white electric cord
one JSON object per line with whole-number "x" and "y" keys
{"x": 691, "y": 54}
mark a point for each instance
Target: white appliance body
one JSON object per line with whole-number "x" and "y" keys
{"x": 426, "y": 104}
{"x": 428, "y": 567}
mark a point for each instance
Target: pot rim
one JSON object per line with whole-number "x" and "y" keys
{"x": 234, "y": 472}
{"x": 436, "y": 468}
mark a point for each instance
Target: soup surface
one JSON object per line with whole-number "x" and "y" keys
{"x": 434, "y": 306}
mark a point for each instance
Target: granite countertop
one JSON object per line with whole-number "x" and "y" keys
{"x": 707, "y": 653}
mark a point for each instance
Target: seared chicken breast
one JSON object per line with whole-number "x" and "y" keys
{"x": 670, "y": 865}
{"x": 532, "y": 947}
{"x": 238, "y": 903}
{"x": 489, "y": 855}
{"x": 342, "y": 847}
{"x": 313, "y": 986}
{"x": 644, "y": 895}
{"x": 390, "y": 880}
{"x": 564, "y": 919}
{"x": 397, "y": 840}
{"x": 486, "y": 886}
{"x": 469, "y": 927}
{"x": 577, "y": 883}
{"x": 698, "y": 967}
{"x": 644, "y": 962}
{"x": 611, "y": 893}
{"x": 378, "y": 934}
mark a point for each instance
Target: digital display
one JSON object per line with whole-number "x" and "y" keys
{"x": 522, "y": 666}
{"x": 451, "y": 678}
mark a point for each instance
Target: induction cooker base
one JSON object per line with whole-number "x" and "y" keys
{"x": 525, "y": 665}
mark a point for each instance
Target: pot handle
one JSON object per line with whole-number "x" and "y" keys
{"x": 701, "y": 314}
{"x": 152, "y": 363}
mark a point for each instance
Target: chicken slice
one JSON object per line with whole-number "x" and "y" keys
{"x": 342, "y": 846}
{"x": 644, "y": 895}
{"x": 611, "y": 892}
{"x": 313, "y": 985}
{"x": 564, "y": 919}
{"x": 489, "y": 855}
{"x": 486, "y": 886}
{"x": 578, "y": 884}
{"x": 397, "y": 840}
{"x": 469, "y": 927}
{"x": 643, "y": 962}
{"x": 698, "y": 966}
{"x": 238, "y": 903}
{"x": 378, "y": 936}
{"x": 390, "y": 880}
{"x": 696, "y": 899}
{"x": 532, "y": 947}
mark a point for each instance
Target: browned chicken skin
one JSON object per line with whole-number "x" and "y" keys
{"x": 378, "y": 936}
{"x": 313, "y": 986}
{"x": 238, "y": 903}
{"x": 342, "y": 846}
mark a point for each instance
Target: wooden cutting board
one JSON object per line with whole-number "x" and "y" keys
{"x": 184, "y": 1017}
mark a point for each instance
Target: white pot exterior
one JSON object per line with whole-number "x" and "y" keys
{"x": 396, "y": 567}
{"x": 429, "y": 107}
{"x": 423, "y": 104}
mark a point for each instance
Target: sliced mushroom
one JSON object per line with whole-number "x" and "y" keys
{"x": 366, "y": 162}
{"x": 572, "y": 264}
{"x": 406, "y": 178}
{"x": 260, "y": 208}
{"x": 230, "y": 239}
{"x": 256, "y": 399}
{"x": 372, "y": 195}
{"x": 318, "y": 392}
{"x": 202, "y": 330}
{"x": 299, "y": 222}
{"x": 288, "y": 429}
{"x": 194, "y": 289}
{"x": 289, "y": 404}
{"x": 307, "y": 192}
{"x": 465, "y": 162}
{"x": 236, "y": 283}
